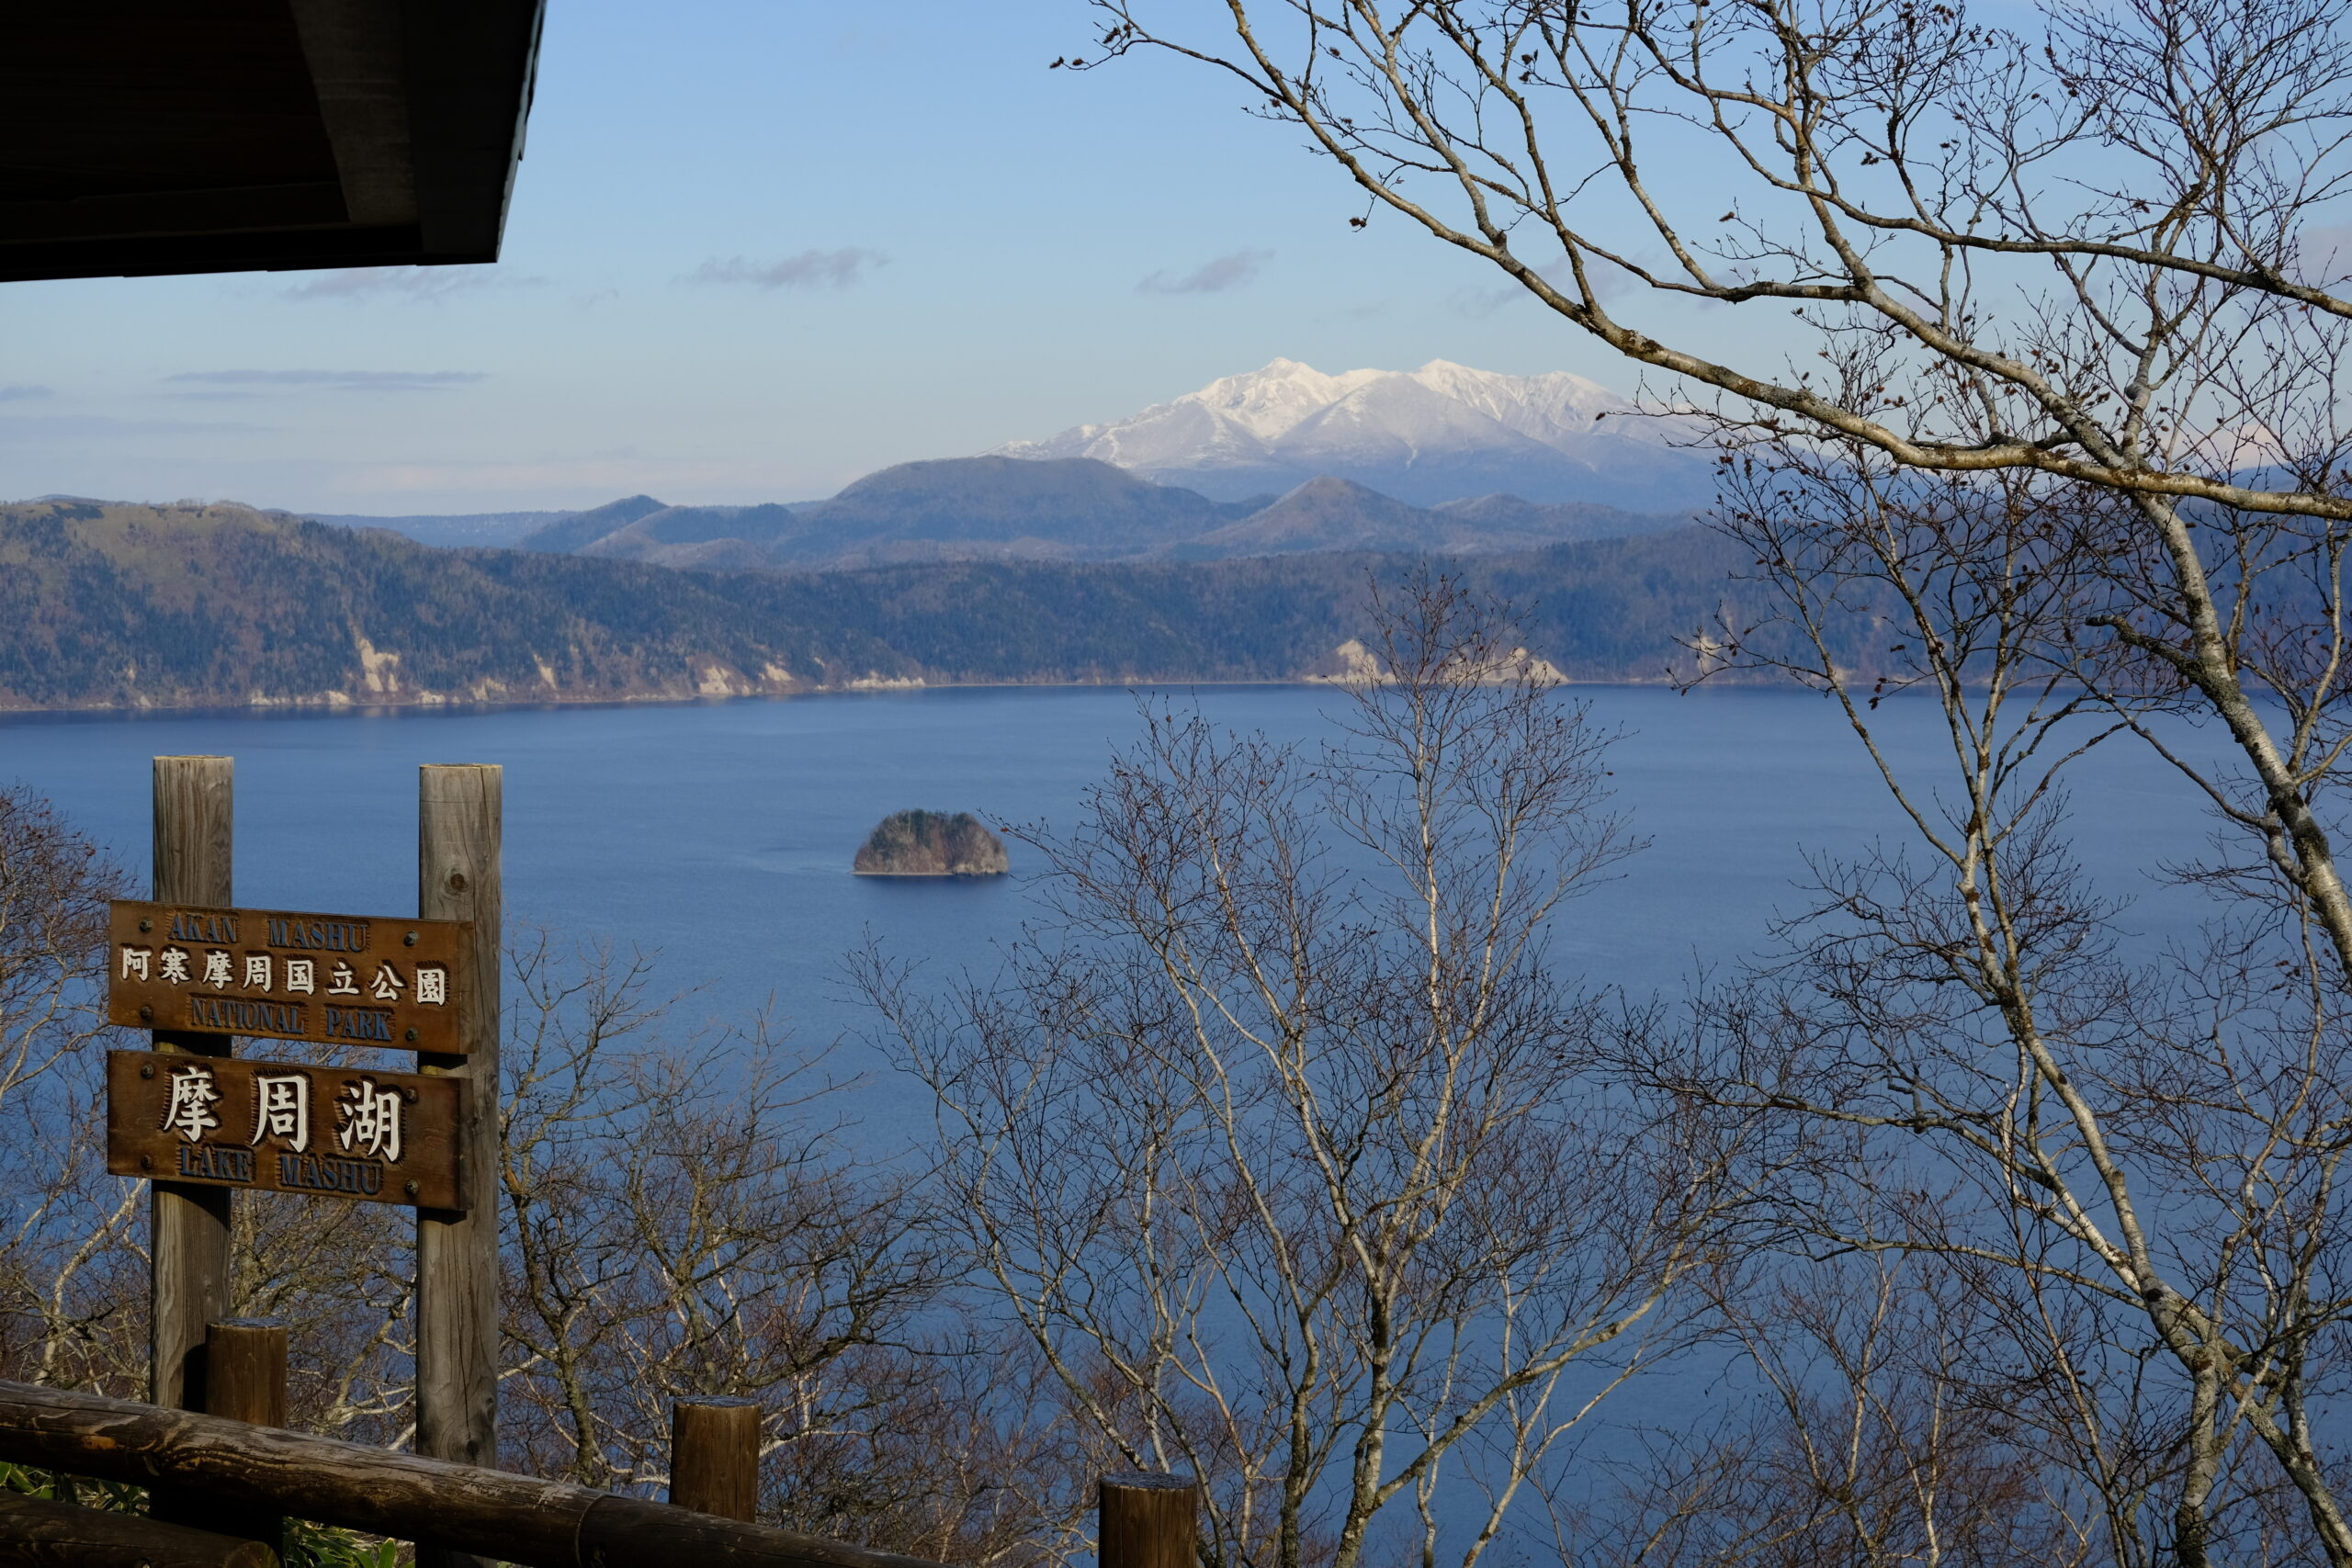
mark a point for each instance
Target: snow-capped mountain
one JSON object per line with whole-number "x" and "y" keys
{"x": 1442, "y": 433}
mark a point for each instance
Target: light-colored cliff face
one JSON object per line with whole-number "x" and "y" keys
{"x": 931, "y": 843}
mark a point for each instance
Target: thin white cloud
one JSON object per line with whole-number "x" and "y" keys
{"x": 30, "y": 428}
{"x": 23, "y": 392}
{"x": 337, "y": 380}
{"x": 810, "y": 269}
{"x": 412, "y": 284}
{"x": 1214, "y": 276}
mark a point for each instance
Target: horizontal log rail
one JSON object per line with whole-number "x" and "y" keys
{"x": 542, "y": 1524}
{"x": 36, "y": 1531}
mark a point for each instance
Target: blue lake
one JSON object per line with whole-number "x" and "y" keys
{"x": 719, "y": 834}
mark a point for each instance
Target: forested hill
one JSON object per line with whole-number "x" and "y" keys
{"x": 107, "y": 605}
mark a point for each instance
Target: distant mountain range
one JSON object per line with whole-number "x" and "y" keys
{"x": 1062, "y": 509}
{"x": 1283, "y": 460}
{"x": 495, "y": 529}
{"x": 115, "y": 606}
{"x": 1227, "y": 534}
{"x": 1442, "y": 433}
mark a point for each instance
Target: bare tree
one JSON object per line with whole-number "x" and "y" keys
{"x": 1975, "y": 1060}
{"x": 55, "y": 883}
{"x": 2052, "y": 407}
{"x": 2098, "y": 249}
{"x": 1868, "y": 1439}
{"x": 60, "y": 1308}
{"x": 1283, "y": 1140}
{"x": 687, "y": 1216}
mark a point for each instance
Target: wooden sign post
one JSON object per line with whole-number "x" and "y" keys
{"x": 272, "y": 974}
{"x": 287, "y": 1127}
{"x": 188, "y": 1233}
{"x": 334, "y": 980}
{"x": 198, "y": 971}
{"x": 459, "y": 827}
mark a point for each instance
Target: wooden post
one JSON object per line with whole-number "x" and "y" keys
{"x": 458, "y": 857}
{"x": 244, "y": 1380}
{"x": 189, "y": 1232}
{"x": 1146, "y": 1521}
{"x": 246, "y": 1370}
{"x": 715, "y": 1456}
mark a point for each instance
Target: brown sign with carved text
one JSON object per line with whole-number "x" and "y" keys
{"x": 327, "y": 979}
{"x": 285, "y": 1127}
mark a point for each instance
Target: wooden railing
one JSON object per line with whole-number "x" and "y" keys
{"x": 219, "y": 1488}
{"x": 228, "y": 1467}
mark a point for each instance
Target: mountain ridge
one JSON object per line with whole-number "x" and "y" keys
{"x": 997, "y": 507}
{"x": 1436, "y": 438}
{"x": 121, "y": 606}
{"x": 1423, "y": 436}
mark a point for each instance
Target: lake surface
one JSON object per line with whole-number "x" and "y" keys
{"x": 719, "y": 834}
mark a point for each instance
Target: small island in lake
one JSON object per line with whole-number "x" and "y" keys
{"x": 931, "y": 843}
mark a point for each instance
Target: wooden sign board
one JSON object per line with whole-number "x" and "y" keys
{"x": 326, "y": 979}
{"x": 285, "y": 1127}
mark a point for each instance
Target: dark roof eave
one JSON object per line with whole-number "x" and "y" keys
{"x": 456, "y": 76}
{"x": 177, "y": 253}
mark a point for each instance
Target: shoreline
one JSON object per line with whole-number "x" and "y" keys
{"x": 322, "y": 708}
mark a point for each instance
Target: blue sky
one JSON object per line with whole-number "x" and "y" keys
{"x": 757, "y": 248}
